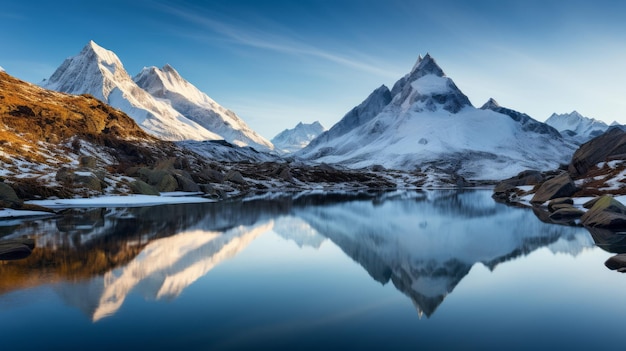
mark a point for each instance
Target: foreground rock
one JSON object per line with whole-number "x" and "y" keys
{"x": 557, "y": 187}
{"x": 617, "y": 262}
{"x": 606, "y": 213}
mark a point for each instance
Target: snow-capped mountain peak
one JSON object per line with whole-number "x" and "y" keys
{"x": 426, "y": 121}
{"x": 292, "y": 140}
{"x": 577, "y": 126}
{"x": 425, "y": 65}
{"x": 429, "y": 87}
{"x": 167, "y": 84}
{"x": 161, "y": 101}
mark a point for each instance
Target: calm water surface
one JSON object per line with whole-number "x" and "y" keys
{"x": 420, "y": 270}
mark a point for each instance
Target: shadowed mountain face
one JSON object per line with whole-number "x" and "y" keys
{"x": 425, "y": 243}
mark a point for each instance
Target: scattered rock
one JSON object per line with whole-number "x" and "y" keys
{"x": 560, "y": 201}
{"x": 141, "y": 187}
{"x": 185, "y": 183}
{"x": 87, "y": 162}
{"x": 285, "y": 174}
{"x": 528, "y": 177}
{"x": 589, "y": 204}
{"x": 599, "y": 149}
{"x": 88, "y": 180}
{"x": 566, "y": 213}
{"x": 617, "y": 262}
{"x": 235, "y": 177}
{"x": 606, "y": 213}
{"x": 8, "y": 196}
{"x": 559, "y": 186}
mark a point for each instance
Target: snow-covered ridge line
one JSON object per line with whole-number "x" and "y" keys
{"x": 159, "y": 100}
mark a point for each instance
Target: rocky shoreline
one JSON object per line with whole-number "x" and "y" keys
{"x": 585, "y": 192}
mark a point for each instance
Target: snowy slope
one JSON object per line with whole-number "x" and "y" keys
{"x": 579, "y": 127}
{"x": 166, "y": 84}
{"x": 292, "y": 140}
{"x": 430, "y": 123}
{"x": 99, "y": 72}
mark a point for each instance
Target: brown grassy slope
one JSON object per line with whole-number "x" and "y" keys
{"x": 30, "y": 114}
{"x": 41, "y": 114}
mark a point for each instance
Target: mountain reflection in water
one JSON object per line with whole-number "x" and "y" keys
{"x": 425, "y": 243}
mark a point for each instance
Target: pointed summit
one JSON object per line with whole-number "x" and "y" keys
{"x": 424, "y": 66}
{"x": 428, "y": 86}
{"x": 99, "y": 72}
{"x": 491, "y": 104}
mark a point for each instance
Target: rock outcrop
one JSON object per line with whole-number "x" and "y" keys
{"x": 606, "y": 213}
{"x": 559, "y": 186}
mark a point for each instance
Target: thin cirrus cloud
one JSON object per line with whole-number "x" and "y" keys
{"x": 260, "y": 39}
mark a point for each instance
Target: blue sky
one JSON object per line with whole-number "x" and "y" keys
{"x": 276, "y": 63}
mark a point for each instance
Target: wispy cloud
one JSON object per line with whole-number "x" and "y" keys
{"x": 278, "y": 42}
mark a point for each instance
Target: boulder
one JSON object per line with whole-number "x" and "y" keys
{"x": 8, "y": 195}
{"x": 87, "y": 180}
{"x": 141, "y": 187}
{"x": 87, "y": 162}
{"x": 560, "y": 202}
{"x": 162, "y": 180}
{"x": 235, "y": 177}
{"x": 285, "y": 174}
{"x": 559, "y": 186}
{"x": 606, "y": 213}
{"x": 589, "y": 204}
{"x": 599, "y": 149}
{"x": 185, "y": 183}
{"x": 566, "y": 214}
{"x": 617, "y": 262}
{"x": 528, "y": 177}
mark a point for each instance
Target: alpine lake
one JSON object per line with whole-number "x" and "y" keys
{"x": 441, "y": 269}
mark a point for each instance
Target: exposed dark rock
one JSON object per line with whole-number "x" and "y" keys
{"x": 141, "y": 187}
{"x": 606, "y": 213}
{"x": 617, "y": 262}
{"x": 89, "y": 181}
{"x": 87, "y": 162}
{"x": 235, "y": 177}
{"x": 566, "y": 213}
{"x": 285, "y": 174}
{"x": 557, "y": 203}
{"x": 589, "y": 204}
{"x": 559, "y": 186}
{"x": 185, "y": 183}
{"x": 528, "y": 177}
{"x": 8, "y": 196}
{"x": 162, "y": 180}
{"x": 609, "y": 144}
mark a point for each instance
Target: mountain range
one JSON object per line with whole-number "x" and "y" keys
{"x": 292, "y": 140}
{"x": 425, "y": 122}
{"x": 422, "y": 132}
{"x": 577, "y": 127}
{"x": 159, "y": 100}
